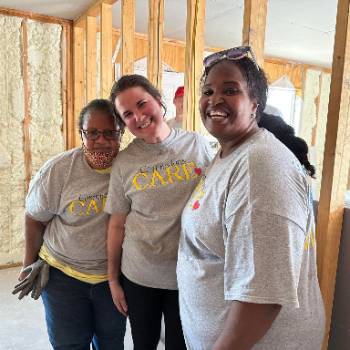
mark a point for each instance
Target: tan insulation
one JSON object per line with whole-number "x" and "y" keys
{"x": 45, "y": 100}
{"x": 308, "y": 116}
{"x": 12, "y": 172}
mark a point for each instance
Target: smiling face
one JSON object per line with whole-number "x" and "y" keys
{"x": 225, "y": 106}
{"x": 142, "y": 114}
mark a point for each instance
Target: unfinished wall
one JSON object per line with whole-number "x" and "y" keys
{"x": 314, "y": 119}
{"x": 321, "y": 124}
{"x": 12, "y": 174}
{"x": 44, "y": 107}
{"x": 309, "y": 111}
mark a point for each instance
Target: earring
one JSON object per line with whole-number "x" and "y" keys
{"x": 252, "y": 115}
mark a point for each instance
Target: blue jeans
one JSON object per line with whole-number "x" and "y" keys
{"x": 79, "y": 313}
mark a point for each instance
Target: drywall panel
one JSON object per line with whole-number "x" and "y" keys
{"x": 45, "y": 100}
{"x": 12, "y": 173}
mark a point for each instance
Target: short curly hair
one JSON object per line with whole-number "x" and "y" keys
{"x": 101, "y": 105}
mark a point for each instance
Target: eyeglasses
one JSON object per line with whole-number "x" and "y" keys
{"x": 94, "y": 134}
{"x": 233, "y": 54}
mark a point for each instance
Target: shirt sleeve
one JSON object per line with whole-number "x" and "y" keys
{"x": 40, "y": 205}
{"x": 264, "y": 234}
{"x": 117, "y": 202}
{"x": 205, "y": 145}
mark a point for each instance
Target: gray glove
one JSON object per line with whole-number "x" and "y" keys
{"x": 35, "y": 281}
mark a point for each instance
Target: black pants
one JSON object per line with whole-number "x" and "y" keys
{"x": 145, "y": 308}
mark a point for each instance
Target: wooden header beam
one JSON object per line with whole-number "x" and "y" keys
{"x": 128, "y": 33}
{"x": 335, "y": 164}
{"x": 193, "y": 61}
{"x": 35, "y": 16}
{"x": 155, "y": 43}
{"x": 254, "y": 25}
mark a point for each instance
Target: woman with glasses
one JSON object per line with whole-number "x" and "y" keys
{"x": 247, "y": 258}
{"x": 66, "y": 227}
{"x": 150, "y": 184}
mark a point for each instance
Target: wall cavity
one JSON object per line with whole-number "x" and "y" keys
{"x": 45, "y": 101}
{"x": 320, "y": 136}
{"x": 12, "y": 173}
{"x": 43, "y": 49}
{"x": 314, "y": 119}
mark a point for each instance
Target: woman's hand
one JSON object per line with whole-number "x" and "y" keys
{"x": 23, "y": 274}
{"x": 118, "y": 297}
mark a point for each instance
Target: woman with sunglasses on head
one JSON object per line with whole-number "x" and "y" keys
{"x": 150, "y": 184}
{"x": 247, "y": 257}
{"x": 65, "y": 227}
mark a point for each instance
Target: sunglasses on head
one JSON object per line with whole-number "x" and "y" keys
{"x": 233, "y": 54}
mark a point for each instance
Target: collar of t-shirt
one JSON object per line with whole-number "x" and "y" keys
{"x": 160, "y": 145}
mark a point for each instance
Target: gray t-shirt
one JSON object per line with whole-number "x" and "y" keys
{"x": 173, "y": 123}
{"x": 151, "y": 183}
{"x": 248, "y": 235}
{"x": 69, "y": 194}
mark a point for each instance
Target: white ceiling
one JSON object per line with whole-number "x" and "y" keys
{"x": 299, "y": 30}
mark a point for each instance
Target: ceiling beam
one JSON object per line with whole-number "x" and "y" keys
{"x": 335, "y": 164}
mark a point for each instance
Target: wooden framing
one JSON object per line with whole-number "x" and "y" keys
{"x": 67, "y": 72}
{"x": 92, "y": 11}
{"x": 106, "y": 50}
{"x": 27, "y": 118}
{"x": 35, "y": 16}
{"x": 127, "y": 32}
{"x": 194, "y": 61}
{"x": 254, "y": 25}
{"x": 336, "y": 163}
{"x": 91, "y": 31}
{"x": 67, "y": 87}
{"x": 155, "y": 42}
{"x": 79, "y": 77}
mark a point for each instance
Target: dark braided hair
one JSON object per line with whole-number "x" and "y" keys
{"x": 255, "y": 77}
{"x": 130, "y": 81}
{"x": 101, "y": 105}
{"x": 286, "y": 134}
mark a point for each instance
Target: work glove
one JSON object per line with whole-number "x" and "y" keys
{"x": 35, "y": 281}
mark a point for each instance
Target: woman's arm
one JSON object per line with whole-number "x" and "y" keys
{"x": 245, "y": 325}
{"x": 114, "y": 253}
{"x": 33, "y": 233}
